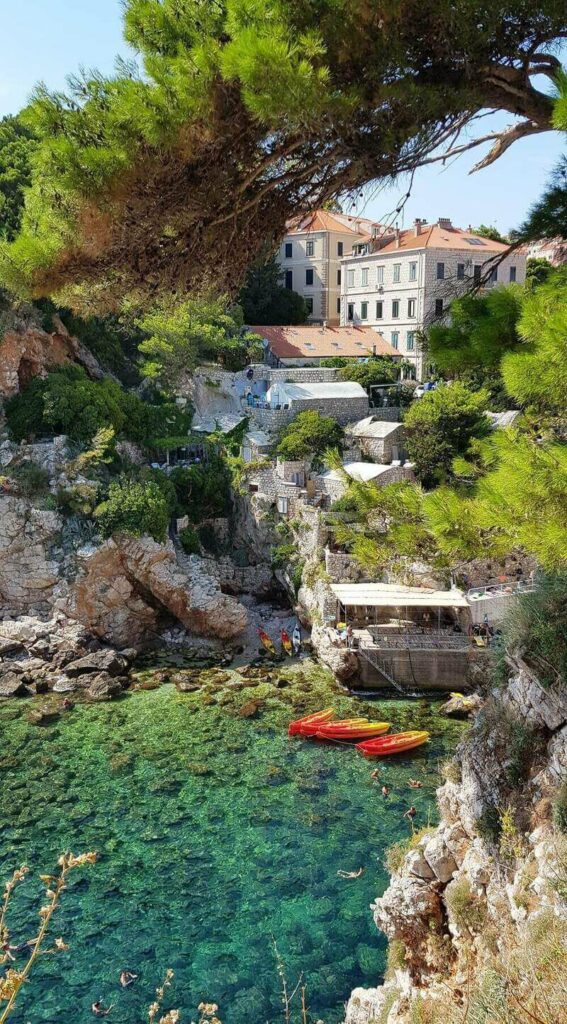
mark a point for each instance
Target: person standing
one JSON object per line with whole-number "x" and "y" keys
{"x": 296, "y": 639}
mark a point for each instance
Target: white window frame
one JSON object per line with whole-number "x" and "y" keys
{"x": 380, "y": 274}
{"x": 395, "y": 309}
{"x": 413, "y": 271}
{"x": 364, "y": 277}
{"x": 310, "y": 248}
{"x": 364, "y": 311}
{"x": 395, "y": 336}
{"x": 412, "y": 305}
{"x": 397, "y": 273}
{"x": 380, "y": 315}
{"x": 351, "y": 280}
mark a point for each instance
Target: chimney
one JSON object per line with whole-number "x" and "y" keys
{"x": 397, "y": 237}
{"x": 445, "y": 222}
{"x": 374, "y": 350}
{"x": 417, "y": 225}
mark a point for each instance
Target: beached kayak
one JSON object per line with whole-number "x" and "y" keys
{"x": 355, "y": 731}
{"x": 266, "y": 641}
{"x": 286, "y": 642}
{"x": 318, "y": 717}
{"x": 394, "y": 744}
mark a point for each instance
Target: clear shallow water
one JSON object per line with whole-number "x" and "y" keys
{"x": 215, "y": 834}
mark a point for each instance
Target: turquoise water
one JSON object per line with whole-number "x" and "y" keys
{"x": 216, "y": 834}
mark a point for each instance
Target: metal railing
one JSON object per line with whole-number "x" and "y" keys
{"x": 500, "y": 589}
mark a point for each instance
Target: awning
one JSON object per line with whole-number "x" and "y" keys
{"x": 391, "y": 595}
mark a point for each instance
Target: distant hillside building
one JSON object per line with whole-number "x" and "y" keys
{"x": 310, "y": 257}
{"x": 554, "y": 250}
{"x": 308, "y": 345}
{"x": 400, "y": 282}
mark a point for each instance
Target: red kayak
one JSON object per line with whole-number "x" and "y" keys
{"x": 312, "y": 728}
{"x": 392, "y": 744}
{"x": 318, "y": 717}
{"x": 354, "y": 731}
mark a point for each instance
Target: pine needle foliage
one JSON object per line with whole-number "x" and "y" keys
{"x": 170, "y": 176}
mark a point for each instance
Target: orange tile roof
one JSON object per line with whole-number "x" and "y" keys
{"x": 312, "y": 342}
{"x": 433, "y": 236}
{"x": 325, "y": 220}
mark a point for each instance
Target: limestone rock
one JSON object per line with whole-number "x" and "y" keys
{"x": 342, "y": 662}
{"x": 528, "y": 698}
{"x": 461, "y": 705}
{"x": 33, "y": 352}
{"x": 416, "y": 864}
{"x": 99, "y": 661}
{"x": 28, "y": 573}
{"x": 104, "y": 687}
{"x": 365, "y": 1005}
{"x": 129, "y": 582}
{"x": 440, "y": 858}
{"x": 408, "y": 910}
{"x": 12, "y": 685}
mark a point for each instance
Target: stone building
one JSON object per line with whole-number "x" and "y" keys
{"x": 402, "y": 281}
{"x": 380, "y": 439}
{"x": 334, "y": 485}
{"x": 345, "y": 401}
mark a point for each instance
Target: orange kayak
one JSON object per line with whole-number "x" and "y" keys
{"x": 355, "y": 731}
{"x": 311, "y": 728}
{"x": 392, "y": 744}
{"x": 318, "y": 716}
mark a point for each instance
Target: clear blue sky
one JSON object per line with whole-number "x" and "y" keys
{"x": 48, "y": 39}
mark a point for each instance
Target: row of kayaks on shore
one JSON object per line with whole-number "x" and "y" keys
{"x": 371, "y": 741}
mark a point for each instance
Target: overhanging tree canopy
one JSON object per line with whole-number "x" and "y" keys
{"x": 249, "y": 110}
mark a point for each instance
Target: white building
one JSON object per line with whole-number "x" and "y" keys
{"x": 401, "y": 282}
{"x": 310, "y": 257}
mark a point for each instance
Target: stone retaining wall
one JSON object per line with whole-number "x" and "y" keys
{"x": 343, "y": 568}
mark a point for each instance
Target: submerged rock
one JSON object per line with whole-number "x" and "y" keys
{"x": 43, "y": 715}
{"x": 250, "y": 709}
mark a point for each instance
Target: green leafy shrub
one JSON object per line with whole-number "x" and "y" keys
{"x": 189, "y": 541}
{"x": 535, "y": 625}
{"x": 488, "y": 824}
{"x": 283, "y": 555}
{"x": 203, "y": 491}
{"x": 296, "y": 574}
{"x": 134, "y": 507}
{"x": 378, "y": 370}
{"x": 309, "y": 434}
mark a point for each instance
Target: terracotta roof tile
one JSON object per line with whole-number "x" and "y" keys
{"x": 312, "y": 342}
{"x": 325, "y": 220}
{"x": 432, "y": 236}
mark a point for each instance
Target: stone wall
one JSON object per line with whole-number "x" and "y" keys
{"x": 422, "y": 670}
{"x": 248, "y": 579}
{"x": 335, "y": 487}
{"x": 380, "y": 449}
{"x": 343, "y": 568}
{"x": 343, "y": 410}
{"x": 286, "y": 469}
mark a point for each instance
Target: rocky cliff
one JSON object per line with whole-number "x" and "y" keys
{"x": 476, "y": 910}
{"x": 31, "y": 352}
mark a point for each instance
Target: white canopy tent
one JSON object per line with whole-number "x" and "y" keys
{"x": 393, "y": 595}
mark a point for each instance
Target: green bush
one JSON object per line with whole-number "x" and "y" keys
{"x": 440, "y": 426}
{"x": 283, "y": 555}
{"x": 309, "y": 434}
{"x": 535, "y": 624}
{"x": 134, "y": 507}
{"x": 378, "y": 370}
{"x": 467, "y": 909}
{"x": 68, "y": 402}
{"x": 31, "y": 480}
{"x": 203, "y": 491}
{"x": 189, "y": 541}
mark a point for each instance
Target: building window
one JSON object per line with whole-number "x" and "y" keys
{"x": 494, "y": 275}
{"x": 411, "y": 308}
{"x": 512, "y": 275}
{"x": 395, "y": 309}
{"x": 364, "y": 276}
{"x": 289, "y": 279}
{"x": 310, "y": 248}
{"x": 477, "y": 273}
{"x": 460, "y": 271}
{"x": 338, "y": 305}
{"x": 350, "y": 311}
{"x": 309, "y": 277}
{"x": 309, "y": 304}
{"x": 338, "y": 277}
{"x": 438, "y": 307}
{"x": 411, "y": 341}
{"x": 440, "y": 271}
{"x": 413, "y": 271}
{"x": 380, "y": 275}
{"x": 397, "y": 271}
{"x": 282, "y": 505}
{"x": 288, "y": 250}
{"x": 379, "y": 310}
{"x": 395, "y": 338}
{"x": 350, "y": 278}
{"x": 339, "y": 248}
{"x": 364, "y": 311}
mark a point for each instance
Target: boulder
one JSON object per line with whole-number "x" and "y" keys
{"x": 440, "y": 858}
{"x": 28, "y": 570}
{"x": 104, "y": 687}
{"x": 416, "y": 864}
{"x": 341, "y": 661}
{"x": 99, "y": 661}
{"x": 43, "y": 715}
{"x": 33, "y": 352}
{"x": 12, "y": 685}
{"x": 10, "y": 646}
{"x": 460, "y": 705}
{"x": 186, "y": 685}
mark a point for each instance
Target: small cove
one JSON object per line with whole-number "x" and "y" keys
{"x": 216, "y": 835}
